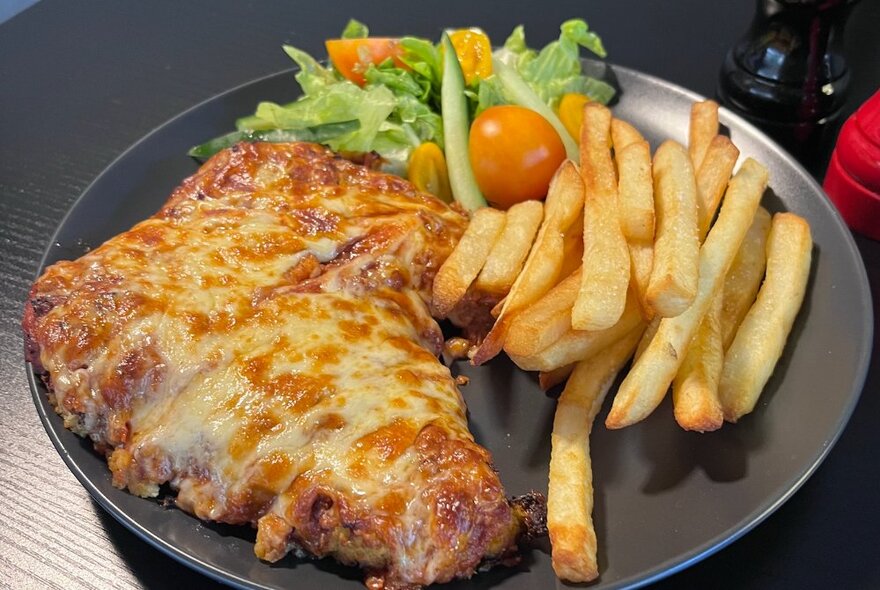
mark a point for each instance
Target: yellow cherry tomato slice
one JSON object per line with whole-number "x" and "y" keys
{"x": 571, "y": 113}
{"x": 427, "y": 171}
{"x": 474, "y": 53}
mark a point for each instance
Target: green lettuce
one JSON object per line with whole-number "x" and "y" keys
{"x": 342, "y": 101}
{"x": 398, "y": 108}
{"x": 556, "y": 69}
{"x": 489, "y": 93}
{"x": 392, "y": 109}
{"x": 423, "y": 59}
{"x": 395, "y": 111}
{"x": 413, "y": 94}
{"x": 355, "y": 29}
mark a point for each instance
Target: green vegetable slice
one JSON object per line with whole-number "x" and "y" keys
{"x": 518, "y": 91}
{"x": 355, "y": 29}
{"x": 557, "y": 68}
{"x": 456, "y": 127}
{"x": 316, "y": 134}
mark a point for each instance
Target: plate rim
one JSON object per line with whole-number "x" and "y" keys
{"x": 659, "y": 571}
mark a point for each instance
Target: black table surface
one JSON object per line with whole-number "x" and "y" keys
{"x": 81, "y": 81}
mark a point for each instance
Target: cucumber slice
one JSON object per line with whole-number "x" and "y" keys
{"x": 316, "y": 134}
{"x": 456, "y": 127}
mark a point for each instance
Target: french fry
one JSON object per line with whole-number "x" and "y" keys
{"x": 506, "y": 258}
{"x": 650, "y": 332}
{"x": 695, "y": 389}
{"x": 565, "y": 198}
{"x": 641, "y": 261}
{"x": 564, "y": 203}
{"x": 463, "y": 265}
{"x": 496, "y": 311}
{"x": 703, "y": 127}
{"x": 650, "y": 376}
{"x": 674, "y": 274}
{"x": 623, "y": 134}
{"x": 577, "y": 345}
{"x": 744, "y": 277}
{"x": 570, "y": 490}
{"x": 545, "y": 321}
{"x": 636, "y": 194}
{"x": 547, "y": 379}
{"x": 712, "y": 177}
{"x": 572, "y": 248}
{"x": 761, "y": 337}
{"x": 605, "y": 275}
{"x": 636, "y": 191}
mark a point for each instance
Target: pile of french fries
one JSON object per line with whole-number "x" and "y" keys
{"x": 670, "y": 259}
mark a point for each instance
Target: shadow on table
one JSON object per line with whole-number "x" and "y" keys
{"x": 151, "y": 568}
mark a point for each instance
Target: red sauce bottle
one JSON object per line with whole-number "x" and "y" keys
{"x": 853, "y": 177}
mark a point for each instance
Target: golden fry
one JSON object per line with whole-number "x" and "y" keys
{"x": 545, "y": 321}
{"x": 650, "y": 376}
{"x": 577, "y": 345}
{"x": 636, "y": 191}
{"x": 496, "y": 311}
{"x": 650, "y": 332}
{"x": 641, "y": 261}
{"x": 572, "y": 248}
{"x": 704, "y": 126}
{"x": 506, "y": 258}
{"x": 623, "y": 134}
{"x": 674, "y": 275}
{"x": 761, "y": 337}
{"x": 605, "y": 275}
{"x": 744, "y": 277}
{"x": 564, "y": 203}
{"x": 570, "y": 491}
{"x": 463, "y": 265}
{"x": 547, "y": 379}
{"x": 712, "y": 177}
{"x": 695, "y": 389}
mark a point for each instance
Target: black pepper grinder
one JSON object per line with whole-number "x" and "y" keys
{"x": 788, "y": 75}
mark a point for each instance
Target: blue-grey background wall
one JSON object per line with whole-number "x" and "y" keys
{"x": 9, "y": 8}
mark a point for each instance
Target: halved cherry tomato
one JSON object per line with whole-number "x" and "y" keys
{"x": 514, "y": 153}
{"x": 571, "y": 113}
{"x": 427, "y": 170}
{"x": 352, "y": 57}
{"x": 474, "y": 52}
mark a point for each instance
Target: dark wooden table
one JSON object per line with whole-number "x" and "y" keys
{"x": 79, "y": 82}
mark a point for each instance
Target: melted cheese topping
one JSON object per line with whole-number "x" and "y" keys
{"x": 263, "y": 345}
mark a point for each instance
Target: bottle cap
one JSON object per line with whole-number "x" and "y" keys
{"x": 853, "y": 177}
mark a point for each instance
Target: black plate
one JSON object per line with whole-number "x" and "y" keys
{"x": 664, "y": 498}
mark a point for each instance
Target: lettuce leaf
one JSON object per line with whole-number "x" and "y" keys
{"x": 423, "y": 58}
{"x": 398, "y": 80}
{"x": 342, "y": 101}
{"x": 328, "y": 98}
{"x": 312, "y": 77}
{"x": 394, "y": 111}
{"x": 399, "y": 107}
{"x": 489, "y": 93}
{"x": 413, "y": 94}
{"x": 355, "y": 29}
{"x": 556, "y": 69}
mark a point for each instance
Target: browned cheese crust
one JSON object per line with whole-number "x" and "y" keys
{"x": 263, "y": 346}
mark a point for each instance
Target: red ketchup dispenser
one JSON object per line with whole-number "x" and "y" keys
{"x": 853, "y": 177}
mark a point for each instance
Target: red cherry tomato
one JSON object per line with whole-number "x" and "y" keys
{"x": 514, "y": 153}
{"x": 352, "y": 57}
